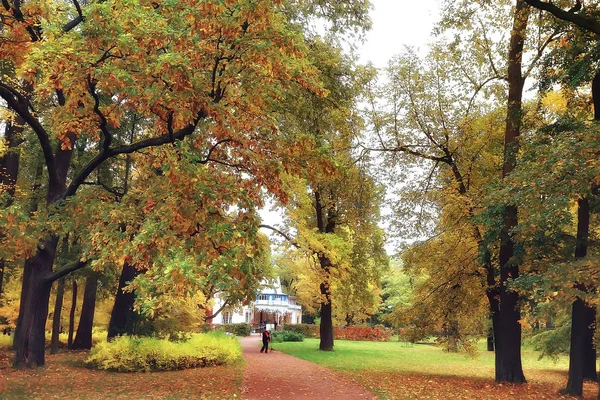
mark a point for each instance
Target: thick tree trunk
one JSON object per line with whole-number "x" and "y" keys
{"x": 589, "y": 352}
{"x": 30, "y": 338}
{"x": 508, "y": 336}
{"x": 326, "y": 327}
{"x": 576, "y": 352}
{"x": 72, "y": 315}
{"x": 60, "y": 292}
{"x": 83, "y": 339}
{"x": 30, "y": 343}
{"x": 122, "y": 315}
{"x": 582, "y": 316}
{"x": 326, "y": 223}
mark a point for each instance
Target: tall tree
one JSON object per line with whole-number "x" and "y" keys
{"x": 175, "y": 63}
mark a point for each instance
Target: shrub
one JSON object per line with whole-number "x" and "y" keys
{"x": 286, "y": 336}
{"x": 306, "y": 330}
{"x": 133, "y": 354}
{"x": 241, "y": 329}
{"x": 367, "y": 333}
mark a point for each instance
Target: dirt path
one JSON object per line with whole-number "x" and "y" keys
{"x": 280, "y": 376}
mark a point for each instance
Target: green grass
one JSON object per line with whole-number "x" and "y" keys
{"x": 400, "y": 357}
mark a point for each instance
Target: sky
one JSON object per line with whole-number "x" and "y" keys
{"x": 397, "y": 23}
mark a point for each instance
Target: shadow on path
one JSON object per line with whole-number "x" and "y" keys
{"x": 276, "y": 375}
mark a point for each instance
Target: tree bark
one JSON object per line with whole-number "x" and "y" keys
{"x": 508, "y": 336}
{"x": 72, "y": 315}
{"x": 60, "y": 292}
{"x": 121, "y": 317}
{"x": 83, "y": 339}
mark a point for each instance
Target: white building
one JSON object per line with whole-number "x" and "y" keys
{"x": 271, "y": 309}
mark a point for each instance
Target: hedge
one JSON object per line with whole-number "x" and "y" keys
{"x": 306, "y": 330}
{"x": 366, "y": 333}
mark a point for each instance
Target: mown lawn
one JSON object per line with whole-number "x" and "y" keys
{"x": 396, "y": 370}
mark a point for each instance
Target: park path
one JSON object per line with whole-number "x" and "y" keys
{"x": 277, "y": 375}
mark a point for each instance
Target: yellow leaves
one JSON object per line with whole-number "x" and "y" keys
{"x": 555, "y": 102}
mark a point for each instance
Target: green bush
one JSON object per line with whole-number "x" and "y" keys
{"x": 137, "y": 354}
{"x": 241, "y": 329}
{"x": 306, "y": 330}
{"x": 286, "y": 336}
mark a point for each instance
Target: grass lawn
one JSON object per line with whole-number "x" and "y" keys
{"x": 396, "y": 370}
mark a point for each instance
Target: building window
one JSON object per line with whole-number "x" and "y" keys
{"x": 247, "y": 316}
{"x": 227, "y": 317}
{"x": 262, "y": 297}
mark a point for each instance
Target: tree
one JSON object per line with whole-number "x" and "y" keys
{"x": 176, "y": 64}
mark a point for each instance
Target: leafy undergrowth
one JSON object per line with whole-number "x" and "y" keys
{"x": 399, "y": 371}
{"x": 66, "y": 377}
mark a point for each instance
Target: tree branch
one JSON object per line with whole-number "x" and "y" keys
{"x": 103, "y": 123}
{"x": 65, "y": 270}
{"x": 285, "y": 235}
{"x": 405, "y": 149}
{"x": 586, "y": 23}
{"x": 20, "y": 104}
{"x": 142, "y": 144}
{"x": 225, "y": 304}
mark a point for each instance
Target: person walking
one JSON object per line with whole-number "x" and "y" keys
{"x": 266, "y": 338}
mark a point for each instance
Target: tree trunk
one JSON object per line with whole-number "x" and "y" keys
{"x": 60, "y": 291}
{"x": 508, "y": 336}
{"x": 576, "y": 352}
{"x": 582, "y": 316}
{"x": 72, "y": 315}
{"x": 589, "y": 351}
{"x": 326, "y": 224}
{"x": 83, "y": 339}
{"x": 9, "y": 170}
{"x": 122, "y": 315}
{"x": 30, "y": 343}
{"x": 30, "y": 338}
{"x": 490, "y": 339}
{"x": 326, "y": 327}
